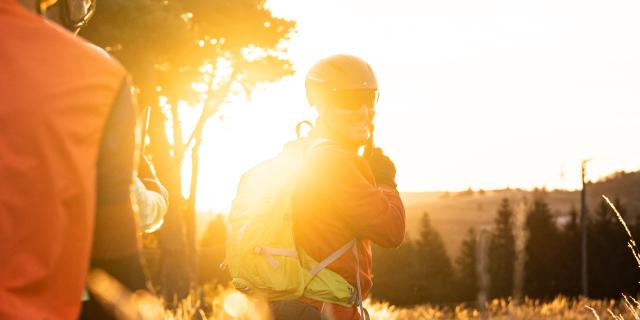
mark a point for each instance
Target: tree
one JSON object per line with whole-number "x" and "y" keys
{"x": 195, "y": 51}
{"x": 395, "y": 273}
{"x": 435, "y": 272}
{"x": 540, "y": 280}
{"x": 569, "y": 257}
{"x": 612, "y": 268}
{"x": 502, "y": 252}
{"x": 466, "y": 267}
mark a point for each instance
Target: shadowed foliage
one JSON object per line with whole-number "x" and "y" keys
{"x": 435, "y": 272}
{"x": 466, "y": 267}
{"x": 502, "y": 252}
{"x": 541, "y": 249}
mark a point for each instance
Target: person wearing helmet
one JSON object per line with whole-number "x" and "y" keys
{"x": 67, "y": 135}
{"x": 151, "y": 197}
{"x": 341, "y": 195}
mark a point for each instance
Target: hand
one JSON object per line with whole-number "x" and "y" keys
{"x": 382, "y": 167}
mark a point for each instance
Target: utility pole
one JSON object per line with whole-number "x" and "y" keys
{"x": 583, "y": 225}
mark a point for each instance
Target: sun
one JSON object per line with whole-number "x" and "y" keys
{"x": 244, "y": 133}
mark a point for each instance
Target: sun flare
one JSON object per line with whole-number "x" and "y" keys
{"x": 451, "y": 118}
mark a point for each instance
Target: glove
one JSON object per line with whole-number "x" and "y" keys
{"x": 382, "y": 167}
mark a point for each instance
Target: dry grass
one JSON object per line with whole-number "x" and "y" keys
{"x": 221, "y": 303}
{"x": 559, "y": 308}
{"x": 226, "y": 303}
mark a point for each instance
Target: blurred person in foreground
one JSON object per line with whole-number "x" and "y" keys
{"x": 341, "y": 195}
{"x": 67, "y": 141}
{"x": 151, "y": 197}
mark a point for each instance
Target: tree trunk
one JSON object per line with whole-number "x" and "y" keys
{"x": 175, "y": 273}
{"x": 190, "y": 212}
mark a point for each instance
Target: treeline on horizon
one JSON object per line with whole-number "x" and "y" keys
{"x": 421, "y": 271}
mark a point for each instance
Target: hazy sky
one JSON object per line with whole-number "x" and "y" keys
{"x": 486, "y": 94}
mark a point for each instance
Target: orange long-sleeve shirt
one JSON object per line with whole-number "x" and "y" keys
{"x": 337, "y": 200}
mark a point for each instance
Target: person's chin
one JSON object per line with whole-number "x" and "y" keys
{"x": 352, "y": 136}
{"x": 359, "y": 138}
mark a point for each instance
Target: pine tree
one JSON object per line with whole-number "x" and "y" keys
{"x": 612, "y": 268}
{"x": 502, "y": 252}
{"x": 569, "y": 258}
{"x": 434, "y": 269}
{"x": 542, "y": 252}
{"x": 466, "y": 267}
{"x": 395, "y": 274}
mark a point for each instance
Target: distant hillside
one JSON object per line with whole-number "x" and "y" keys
{"x": 452, "y": 213}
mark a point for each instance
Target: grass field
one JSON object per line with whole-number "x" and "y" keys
{"x": 226, "y": 303}
{"x": 230, "y": 305}
{"x": 559, "y": 308}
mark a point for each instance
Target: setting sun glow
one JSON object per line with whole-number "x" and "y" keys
{"x": 465, "y": 102}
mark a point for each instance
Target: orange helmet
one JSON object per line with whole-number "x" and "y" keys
{"x": 342, "y": 81}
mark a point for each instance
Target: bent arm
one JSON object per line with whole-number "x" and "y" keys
{"x": 373, "y": 212}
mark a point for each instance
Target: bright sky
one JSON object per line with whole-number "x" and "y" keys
{"x": 481, "y": 94}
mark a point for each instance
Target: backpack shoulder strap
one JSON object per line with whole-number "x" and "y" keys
{"x": 353, "y": 245}
{"x": 332, "y": 257}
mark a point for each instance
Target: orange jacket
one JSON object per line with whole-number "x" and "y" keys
{"x": 336, "y": 201}
{"x": 56, "y": 94}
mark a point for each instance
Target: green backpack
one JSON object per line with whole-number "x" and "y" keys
{"x": 262, "y": 255}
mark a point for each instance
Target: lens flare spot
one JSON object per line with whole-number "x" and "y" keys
{"x": 236, "y": 304}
